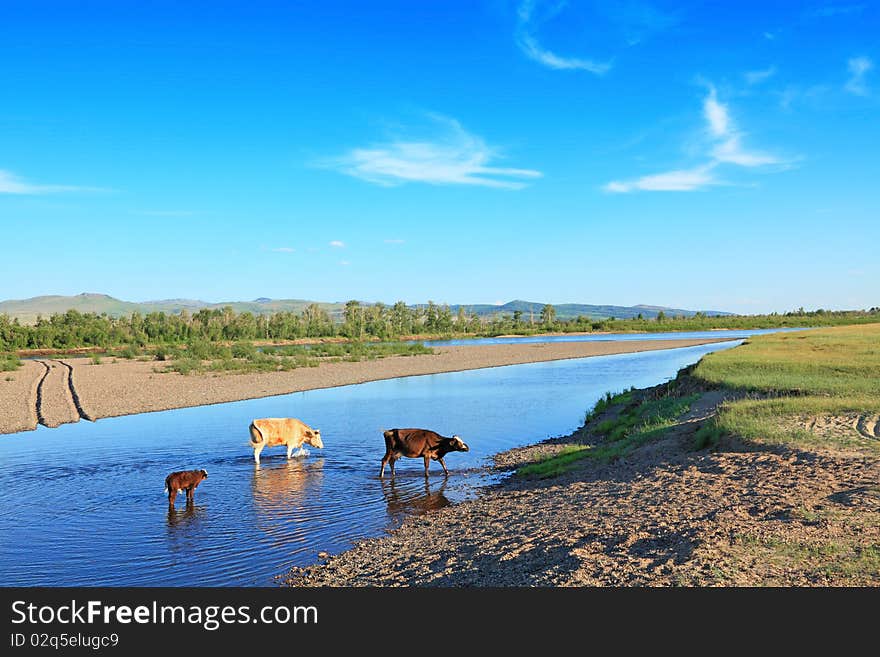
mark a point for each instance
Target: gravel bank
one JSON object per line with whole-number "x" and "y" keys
{"x": 18, "y": 397}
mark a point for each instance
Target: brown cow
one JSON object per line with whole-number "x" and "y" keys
{"x": 415, "y": 443}
{"x": 273, "y": 431}
{"x": 185, "y": 480}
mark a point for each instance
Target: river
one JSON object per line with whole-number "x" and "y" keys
{"x": 82, "y": 504}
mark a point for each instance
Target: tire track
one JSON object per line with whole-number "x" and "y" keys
{"x": 55, "y": 403}
{"x": 868, "y": 426}
{"x": 73, "y": 393}
{"x": 39, "y": 402}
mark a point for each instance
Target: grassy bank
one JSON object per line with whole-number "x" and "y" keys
{"x": 813, "y": 389}
{"x": 804, "y": 387}
{"x": 801, "y": 504}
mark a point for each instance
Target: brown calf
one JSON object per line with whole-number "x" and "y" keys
{"x": 185, "y": 480}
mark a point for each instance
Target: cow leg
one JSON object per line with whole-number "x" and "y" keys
{"x": 393, "y": 461}
{"x": 385, "y": 460}
{"x": 427, "y": 463}
{"x": 445, "y": 471}
{"x": 189, "y": 494}
{"x": 172, "y": 495}
{"x": 257, "y": 450}
{"x": 289, "y": 450}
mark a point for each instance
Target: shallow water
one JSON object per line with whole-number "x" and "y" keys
{"x": 83, "y": 504}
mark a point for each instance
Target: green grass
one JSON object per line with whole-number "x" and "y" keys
{"x": 243, "y": 357}
{"x": 826, "y": 372}
{"x": 555, "y": 465}
{"x": 837, "y": 361}
{"x": 9, "y": 362}
{"x": 637, "y": 424}
{"x": 839, "y": 560}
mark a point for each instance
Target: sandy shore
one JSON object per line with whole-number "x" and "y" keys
{"x": 127, "y": 387}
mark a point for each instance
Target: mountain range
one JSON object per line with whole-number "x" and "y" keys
{"x": 27, "y": 310}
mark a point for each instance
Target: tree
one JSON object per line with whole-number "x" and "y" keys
{"x": 353, "y": 326}
{"x": 661, "y": 316}
{"x": 548, "y": 315}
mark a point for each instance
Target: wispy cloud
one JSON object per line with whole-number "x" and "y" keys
{"x": 858, "y": 68}
{"x": 681, "y": 180}
{"x": 757, "y": 77}
{"x": 344, "y": 263}
{"x": 452, "y": 156}
{"x": 283, "y": 249}
{"x": 716, "y": 115}
{"x": 724, "y": 145}
{"x": 528, "y": 43}
{"x": 394, "y": 241}
{"x": 336, "y": 244}
{"x": 828, "y": 11}
{"x": 769, "y": 36}
{"x": 12, "y": 184}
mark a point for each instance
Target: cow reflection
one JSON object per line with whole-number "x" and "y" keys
{"x": 284, "y": 492}
{"x": 413, "y": 499}
{"x": 184, "y": 518}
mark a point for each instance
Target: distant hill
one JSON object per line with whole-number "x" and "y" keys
{"x": 27, "y": 310}
{"x": 573, "y": 310}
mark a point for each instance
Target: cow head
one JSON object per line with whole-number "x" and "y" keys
{"x": 313, "y": 438}
{"x": 458, "y": 445}
{"x": 204, "y": 473}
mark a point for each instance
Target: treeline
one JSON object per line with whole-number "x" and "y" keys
{"x": 361, "y": 322}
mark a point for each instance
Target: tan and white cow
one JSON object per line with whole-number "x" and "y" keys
{"x": 275, "y": 431}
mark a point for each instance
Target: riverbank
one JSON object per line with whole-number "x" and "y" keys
{"x": 658, "y": 489}
{"x": 54, "y": 391}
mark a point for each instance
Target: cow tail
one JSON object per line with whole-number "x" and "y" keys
{"x": 256, "y": 435}
{"x": 166, "y": 484}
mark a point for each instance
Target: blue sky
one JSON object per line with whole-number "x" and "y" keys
{"x": 696, "y": 155}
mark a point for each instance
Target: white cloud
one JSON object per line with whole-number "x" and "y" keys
{"x": 757, "y": 77}
{"x": 731, "y": 151}
{"x": 724, "y": 147}
{"x": 858, "y": 68}
{"x": 454, "y": 157}
{"x": 830, "y": 11}
{"x": 12, "y": 184}
{"x": 336, "y": 244}
{"x": 394, "y": 241}
{"x": 716, "y": 115}
{"x": 528, "y": 43}
{"x": 344, "y": 263}
{"x": 681, "y": 180}
{"x": 283, "y": 249}
{"x": 769, "y": 36}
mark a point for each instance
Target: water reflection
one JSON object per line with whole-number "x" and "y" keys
{"x": 403, "y": 501}
{"x": 285, "y": 483}
{"x": 183, "y": 517}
